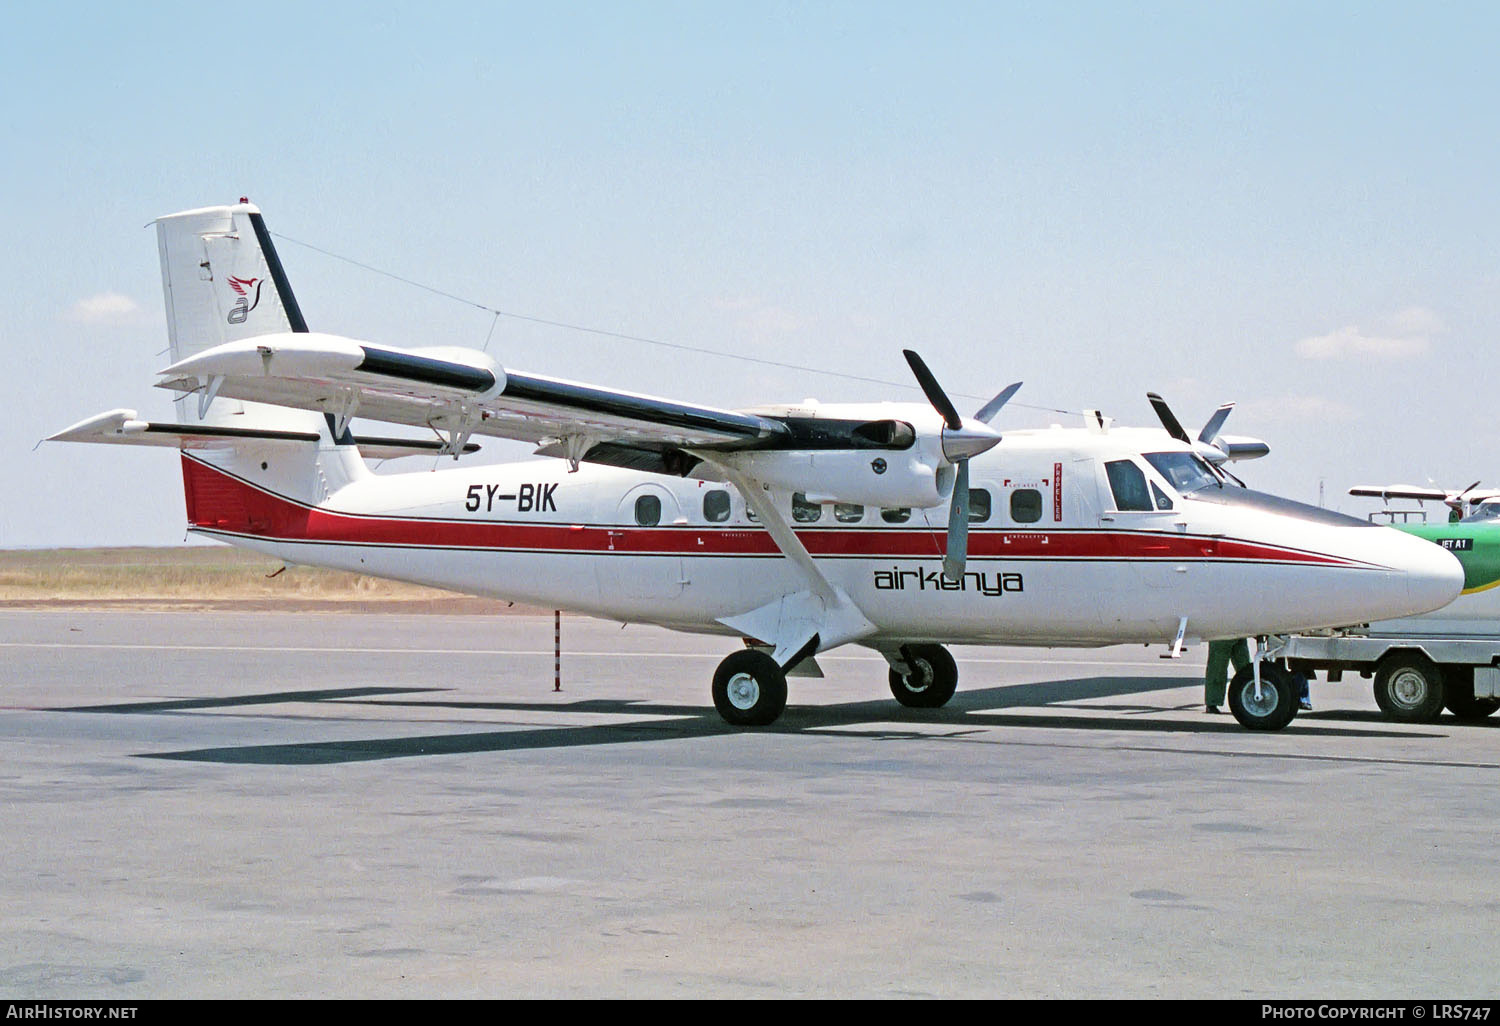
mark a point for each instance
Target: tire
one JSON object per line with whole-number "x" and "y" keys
{"x": 1409, "y": 687}
{"x": 932, "y": 681}
{"x": 1458, "y": 695}
{"x": 749, "y": 689}
{"x": 1276, "y": 705}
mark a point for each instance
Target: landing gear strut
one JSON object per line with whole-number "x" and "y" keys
{"x": 930, "y": 679}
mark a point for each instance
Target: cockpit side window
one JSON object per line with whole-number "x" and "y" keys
{"x": 1162, "y": 502}
{"x": 1128, "y": 484}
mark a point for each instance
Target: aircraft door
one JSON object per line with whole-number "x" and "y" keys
{"x": 642, "y": 560}
{"x": 1081, "y": 506}
{"x": 1141, "y": 527}
{"x": 1139, "y": 505}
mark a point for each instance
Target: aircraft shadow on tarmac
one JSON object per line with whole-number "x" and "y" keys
{"x": 969, "y": 712}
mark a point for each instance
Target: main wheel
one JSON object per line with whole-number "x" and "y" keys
{"x": 932, "y": 680}
{"x": 749, "y": 689}
{"x": 1273, "y": 708}
{"x": 1458, "y": 694}
{"x": 1409, "y": 687}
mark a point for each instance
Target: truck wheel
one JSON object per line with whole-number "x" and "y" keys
{"x": 1409, "y": 687}
{"x": 1458, "y": 694}
{"x": 1273, "y": 708}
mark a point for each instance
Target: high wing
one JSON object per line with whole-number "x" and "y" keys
{"x": 457, "y": 392}
{"x": 1400, "y": 491}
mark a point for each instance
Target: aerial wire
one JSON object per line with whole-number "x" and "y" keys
{"x": 606, "y": 333}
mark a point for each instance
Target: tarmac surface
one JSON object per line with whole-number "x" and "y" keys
{"x": 216, "y": 805}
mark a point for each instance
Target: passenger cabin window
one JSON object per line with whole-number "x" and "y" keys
{"x": 804, "y": 512}
{"x": 716, "y": 506}
{"x": 1128, "y": 483}
{"x": 848, "y": 512}
{"x": 895, "y": 516}
{"x": 648, "y": 511}
{"x": 1025, "y": 505}
{"x": 979, "y": 505}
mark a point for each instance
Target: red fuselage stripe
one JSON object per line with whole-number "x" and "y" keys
{"x": 217, "y": 501}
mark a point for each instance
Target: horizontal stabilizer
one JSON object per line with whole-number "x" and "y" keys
{"x": 123, "y": 427}
{"x": 372, "y": 448}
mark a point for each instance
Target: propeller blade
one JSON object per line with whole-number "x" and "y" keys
{"x": 1455, "y": 500}
{"x": 988, "y": 410}
{"x": 1164, "y": 413}
{"x": 934, "y": 392}
{"x": 1211, "y": 429}
{"x": 958, "y": 526}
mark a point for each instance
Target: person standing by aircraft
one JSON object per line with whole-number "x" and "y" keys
{"x": 1216, "y": 674}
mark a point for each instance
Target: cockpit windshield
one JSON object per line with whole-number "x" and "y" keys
{"x": 1485, "y": 511}
{"x": 1183, "y": 471}
{"x": 1192, "y": 478}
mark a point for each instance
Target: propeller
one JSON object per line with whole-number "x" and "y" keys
{"x": 1456, "y": 502}
{"x": 1215, "y": 448}
{"x": 961, "y": 440}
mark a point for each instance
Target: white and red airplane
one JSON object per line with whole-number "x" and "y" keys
{"x": 898, "y": 526}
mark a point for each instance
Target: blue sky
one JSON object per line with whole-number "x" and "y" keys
{"x": 1291, "y": 206}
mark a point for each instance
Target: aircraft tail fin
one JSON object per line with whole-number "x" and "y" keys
{"x": 223, "y": 281}
{"x": 222, "y": 278}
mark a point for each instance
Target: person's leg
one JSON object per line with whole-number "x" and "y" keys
{"x": 1216, "y": 674}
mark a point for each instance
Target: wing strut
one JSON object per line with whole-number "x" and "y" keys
{"x": 802, "y": 623}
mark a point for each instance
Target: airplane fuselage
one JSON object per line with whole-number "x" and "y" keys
{"x": 1053, "y": 559}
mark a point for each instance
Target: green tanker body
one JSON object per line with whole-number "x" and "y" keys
{"x": 1420, "y": 665}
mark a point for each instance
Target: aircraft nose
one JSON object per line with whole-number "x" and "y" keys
{"x": 1434, "y": 576}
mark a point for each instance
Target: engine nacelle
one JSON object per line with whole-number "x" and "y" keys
{"x": 869, "y": 477}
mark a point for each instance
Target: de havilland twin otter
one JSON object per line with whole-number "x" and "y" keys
{"x": 902, "y": 527}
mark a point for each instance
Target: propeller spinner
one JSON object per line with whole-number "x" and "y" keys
{"x": 961, "y": 440}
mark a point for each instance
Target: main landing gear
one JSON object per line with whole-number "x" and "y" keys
{"x": 929, "y": 678}
{"x": 750, "y": 687}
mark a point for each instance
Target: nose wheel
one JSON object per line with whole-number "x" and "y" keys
{"x": 1272, "y": 706}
